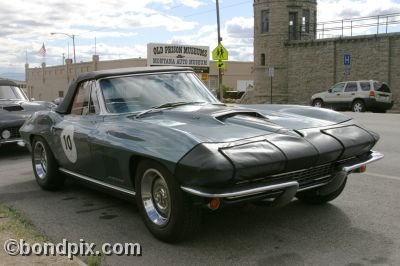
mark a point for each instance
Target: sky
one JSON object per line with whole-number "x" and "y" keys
{"x": 121, "y": 29}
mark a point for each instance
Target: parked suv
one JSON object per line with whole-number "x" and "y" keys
{"x": 358, "y": 96}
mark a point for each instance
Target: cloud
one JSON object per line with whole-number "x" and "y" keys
{"x": 124, "y": 28}
{"x": 240, "y": 27}
{"x": 339, "y": 9}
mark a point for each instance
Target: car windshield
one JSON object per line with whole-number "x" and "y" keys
{"x": 11, "y": 93}
{"x": 142, "y": 92}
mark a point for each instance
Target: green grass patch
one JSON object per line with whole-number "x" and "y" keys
{"x": 94, "y": 260}
{"x": 16, "y": 224}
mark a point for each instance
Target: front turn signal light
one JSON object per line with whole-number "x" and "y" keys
{"x": 363, "y": 169}
{"x": 214, "y": 203}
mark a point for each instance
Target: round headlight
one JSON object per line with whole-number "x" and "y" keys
{"x": 6, "y": 134}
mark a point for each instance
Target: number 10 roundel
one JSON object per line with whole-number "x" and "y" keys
{"x": 68, "y": 144}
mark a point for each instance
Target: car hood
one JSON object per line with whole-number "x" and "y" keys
{"x": 319, "y": 95}
{"x": 213, "y": 123}
{"x": 17, "y": 110}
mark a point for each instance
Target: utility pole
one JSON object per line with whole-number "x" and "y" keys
{"x": 221, "y": 93}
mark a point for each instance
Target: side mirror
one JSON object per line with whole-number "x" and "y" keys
{"x": 330, "y": 90}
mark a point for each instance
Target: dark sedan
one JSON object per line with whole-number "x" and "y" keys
{"x": 15, "y": 108}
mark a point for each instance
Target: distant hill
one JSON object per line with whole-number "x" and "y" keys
{"x": 14, "y": 76}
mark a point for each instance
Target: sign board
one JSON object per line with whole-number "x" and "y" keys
{"x": 204, "y": 76}
{"x": 271, "y": 72}
{"x": 221, "y": 64}
{"x": 220, "y": 53}
{"x": 197, "y": 57}
{"x": 347, "y": 59}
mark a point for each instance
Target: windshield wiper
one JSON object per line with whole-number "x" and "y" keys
{"x": 165, "y": 105}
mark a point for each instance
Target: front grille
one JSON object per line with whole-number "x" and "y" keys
{"x": 307, "y": 177}
{"x": 313, "y": 176}
{"x": 14, "y": 132}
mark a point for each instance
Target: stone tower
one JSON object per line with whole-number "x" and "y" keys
{"x": 276, "y": 23}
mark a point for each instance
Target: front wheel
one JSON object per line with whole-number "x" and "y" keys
{"x": 45, "y": 166}
{"x": 318, "y": 103}
{"x": 166, "y": 210}
{"x": 314, "y": 196}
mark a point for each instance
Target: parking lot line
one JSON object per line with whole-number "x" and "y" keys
{"x": 384, "y": 176}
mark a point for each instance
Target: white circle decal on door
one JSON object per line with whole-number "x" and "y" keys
{"x": 68, "y": 143}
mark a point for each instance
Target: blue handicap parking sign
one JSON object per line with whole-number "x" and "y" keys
{"x": 347, "y": 60}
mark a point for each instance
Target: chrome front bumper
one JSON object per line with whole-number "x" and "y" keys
{"x": 20, "y": 142}
{"x": 290, "y": 188}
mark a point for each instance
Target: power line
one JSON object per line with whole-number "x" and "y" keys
{"x": 213, "y": 10}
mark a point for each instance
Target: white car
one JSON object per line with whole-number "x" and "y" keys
{"x": 358, "y": 96}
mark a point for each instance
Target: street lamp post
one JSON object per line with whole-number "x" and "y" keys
{"x": 72, "y": 36}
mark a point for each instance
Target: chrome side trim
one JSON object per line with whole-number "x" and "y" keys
{"x": 97, "y": 182}
{"x": 242, "y": 193}
{"x": 373, "y": 157}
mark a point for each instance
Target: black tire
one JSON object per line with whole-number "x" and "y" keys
{"x": 313, "y": 197}
{"x": 358, "y": 106}
{"x": 318, "y": 103}
{"x": 46, "y": 172}
{"x": 182, "y": 218}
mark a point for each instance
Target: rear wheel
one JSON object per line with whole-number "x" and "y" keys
{"x": 45, "y": 166}
{"x": 318, "y": 103}
{"x": 313, "y": 196}
{"x": 166, "y": 210}
{"x": 358, "y": 106}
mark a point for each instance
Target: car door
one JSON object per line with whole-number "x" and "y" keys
{"x": 74, "y": 132}
{"x": 349, "y": 94}
{"x": 333, "y": 97}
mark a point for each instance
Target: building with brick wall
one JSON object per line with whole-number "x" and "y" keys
{"x": 50, "y": 82}
{"x": 285, "y": 39}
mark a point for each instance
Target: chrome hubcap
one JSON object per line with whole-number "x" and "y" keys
{"x": 40, "y": 160}
{"x": 155, "y": 197}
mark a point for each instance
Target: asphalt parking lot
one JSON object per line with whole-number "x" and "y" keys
{"x": 359, "y": 228}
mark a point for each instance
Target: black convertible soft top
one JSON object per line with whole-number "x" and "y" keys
{"x": 65, "y": 104}
{"x": 7, "y": 82}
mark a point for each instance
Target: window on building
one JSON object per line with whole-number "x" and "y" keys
{"x": 305, "y": 25}
{"x": 263, "y": 59}
{"x": 60, "y": 93}
{"x": 293, "y": 26}
{"x": 264, "y": 21}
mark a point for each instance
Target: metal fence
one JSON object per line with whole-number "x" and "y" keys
{"x": 359, "y": 26}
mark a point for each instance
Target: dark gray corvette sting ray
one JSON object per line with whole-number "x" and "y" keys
{"x": 160, "y": 135}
